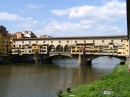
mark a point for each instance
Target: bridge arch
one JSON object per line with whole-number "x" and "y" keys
{"x": 123, "y": 58}
{"x": 52, "y": 48}
{"x": 49, "y": 59}
{"x": 59, "y": 48}
{"x": 67, "y": 48}
{"x": 20, "y": 59}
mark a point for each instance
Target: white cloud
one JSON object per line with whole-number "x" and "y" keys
{"x": 112, "y": 8}
{"x": 83, "y": 28}
{"x": 99, "y": 20}
{"x": 32, "y": 6}
{"x": 20, "y": 22}
{"x": 59, "y": 12}
{"x": 81, "y": 21}
{"x": 29, "y": 24}
{"x": 13, "y": 17}
{"x": 9, "y": 16}
{"x": 55, "y": 28}
{"x": 81, "y": 12}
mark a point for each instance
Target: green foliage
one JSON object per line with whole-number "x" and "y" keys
{"x": 121, "y": 68}
{"x": 117, "y": 82}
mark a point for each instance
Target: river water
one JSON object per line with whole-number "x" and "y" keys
{"x": 30, "y": 80}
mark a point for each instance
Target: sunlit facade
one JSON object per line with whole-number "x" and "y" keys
{"x": 4, "y": 42}
{"x": 94, "y": 45}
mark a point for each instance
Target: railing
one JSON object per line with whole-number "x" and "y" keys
{"x": 59, "y": 52}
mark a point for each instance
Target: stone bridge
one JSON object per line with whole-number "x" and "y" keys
{"x": 44, "y": 50}
{"x": 83, "y": 59}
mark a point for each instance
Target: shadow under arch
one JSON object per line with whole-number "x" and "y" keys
{"x": 49, "y": 60}
{"x": 118, "y": 57}
{"x": 20, "y": 59}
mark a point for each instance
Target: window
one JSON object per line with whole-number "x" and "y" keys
{"x": 102, "y": 41}
{"x": 111, "y": 40}
{"x": 76, "y": 41}
{"x": 51, "y": 41}
{"x": 44, "y": 41}
{"x": 84, "y": 41}
{"x": 29, "y": 41}
{"x": 36, "y": 41}
{"x": 59, "y": 41}
{"x": 22, "y": 41}
{"x": 121, "y": 40}
{"x": 93, "y": 41}
{"x": 67, "y": 41}
{"x": 119, "y": 53}
{"x": 44, "y": 47}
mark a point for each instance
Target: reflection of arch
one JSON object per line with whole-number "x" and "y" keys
{"x": 52, "y": 48}
{"x": 67, "y": 48}
{"x": 59, "y": 48}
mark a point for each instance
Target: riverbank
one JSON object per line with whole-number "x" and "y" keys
{"x": 115, "y": 84}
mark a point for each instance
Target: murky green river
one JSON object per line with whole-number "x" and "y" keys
{"x": 30, "y": 80}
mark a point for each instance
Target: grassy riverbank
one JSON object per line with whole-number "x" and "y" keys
{"x": 115, "y": 84}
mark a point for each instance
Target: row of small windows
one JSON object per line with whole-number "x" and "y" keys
{"x": 44, "y": 41}
{"x": 75, "y": 41}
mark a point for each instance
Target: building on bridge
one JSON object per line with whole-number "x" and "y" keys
{"x": 25, "y": 34}
{"x": 102, "y": 45}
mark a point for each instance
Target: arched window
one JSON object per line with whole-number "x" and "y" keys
{"x": 67, "y": 48}
{"x": 59, "y": 48}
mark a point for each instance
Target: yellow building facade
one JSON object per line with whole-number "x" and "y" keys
{"x": 4, "y": 42}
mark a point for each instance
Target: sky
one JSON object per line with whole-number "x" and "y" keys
{"x": 62, "y": 18}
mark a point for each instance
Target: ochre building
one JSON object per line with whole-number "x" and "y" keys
{"x": 4, "y": 42}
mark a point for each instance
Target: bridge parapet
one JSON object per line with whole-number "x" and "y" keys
{"x": 60, "y": 53}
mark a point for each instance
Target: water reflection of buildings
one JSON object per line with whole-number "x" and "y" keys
{"x": 75, "y": 75}
{"x": 47, "y": 79}
{"x": 88, "y": 74}
{"x": 83, "y": 75}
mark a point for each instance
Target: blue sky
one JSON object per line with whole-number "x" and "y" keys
{"x": 65, "y": 17}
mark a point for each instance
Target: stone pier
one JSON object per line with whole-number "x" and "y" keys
{"x": 82, "y": 60}
{"x": 38, "y": 58}
{"x": 3, "y": 60}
